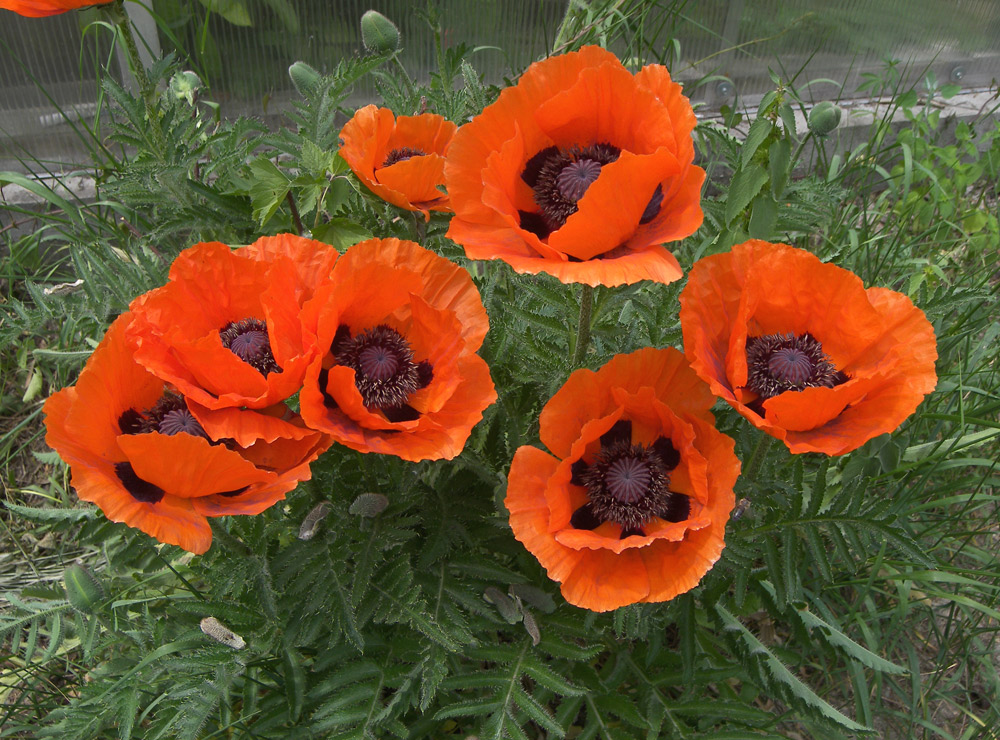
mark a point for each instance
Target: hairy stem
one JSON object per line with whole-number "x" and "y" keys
{"x": 757, "y": 457}
{"x": 146, "y": 88}
{"x": 583, "y": 326}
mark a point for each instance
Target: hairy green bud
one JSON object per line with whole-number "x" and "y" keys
{"x": 824, "y": 117}
{"x": 83, "y": 590}
{"x": 185, "y": 86}
{"x": 304, "y": 77}
{"x": 369, "y": 505}
{"x": 378, "y": 33}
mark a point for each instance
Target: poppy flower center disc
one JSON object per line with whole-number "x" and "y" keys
{"x": 628, "y": 483}
{"x": 384, "y": 370}
{"x": 787, "y": 362}
{"x": 248, "y": 340}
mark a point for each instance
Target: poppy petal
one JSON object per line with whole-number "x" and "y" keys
{"x": 188, "y": 466}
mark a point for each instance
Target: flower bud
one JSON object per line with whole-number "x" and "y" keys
{"x": 83, "y": 591}
{"x": 185, "y": 86}
{"x": 378, "y": 33}
{"x": 303, "y": 77}
{"x": 221, "y": 633}
{"x": 824, "y": 118}
{"x": 369, "y": 505}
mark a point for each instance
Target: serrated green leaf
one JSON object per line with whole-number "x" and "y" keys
{"x": 838, "y": 639}
{"x": 760, "y": 129}
{"x": 776, "y": 671}
{"x": 743, "y": 188}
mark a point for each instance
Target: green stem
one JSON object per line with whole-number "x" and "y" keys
{"x": 583, "y": 326}
{"x": 407, "y": 80}
{"x": 419, "y": 227}
{"x": 757, "y": 457}
{"x": 146, "y": 88}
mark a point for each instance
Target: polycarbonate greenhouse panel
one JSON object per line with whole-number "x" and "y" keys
{"x": 722, "y": 49}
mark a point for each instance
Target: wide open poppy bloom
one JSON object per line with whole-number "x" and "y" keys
{"x": 136, "y": 450}
{"x": 225, "y": 331}
{"x": 802, "y": 350}
{"x": 632, "y": 504}
{"x": 582, "y": 170}
{"x": 401, "y": 160}
{"x": 397, "y": 371}
{"x": 43, "y": 8}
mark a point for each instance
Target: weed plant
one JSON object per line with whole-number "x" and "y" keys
{"x": 857, "y": 595}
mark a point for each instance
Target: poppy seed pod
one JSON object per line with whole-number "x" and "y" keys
{"x": 378, "y": 33}
{"x": 824, "y": 118}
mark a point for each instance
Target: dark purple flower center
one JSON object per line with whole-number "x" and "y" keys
{"x": 401, "y": 154}
{"x": 787, "y": 362}
{"x": 384, "y": 371}
{"x": 628, "y": 483}
{"x": 248, "y": 340}
{"x": 169, "y": 415}
{"x": 560, "y": 177}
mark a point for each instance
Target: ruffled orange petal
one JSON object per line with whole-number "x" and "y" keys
{"x": 439, "y": 282}
{"x": 188, "y": 466}
{"x": 587, "y": 394}
{"x": 530, "y": 471}
{"x": 428, "y": 132}
{"x": 416, "y": 180}
{"x": 611, "y": 208}
{"x": 247, "y": 426}
{"x": 603, "y": 580}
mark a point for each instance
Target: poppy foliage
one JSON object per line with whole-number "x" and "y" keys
{"x": 135, "y": 449}
{"x": 401, "y": 160}
{"x": 802, "y": 350}
{"x": 396, "y": 370}
{"x": 43, "y": 8}
{"x": 225, "y": 331}
{"x": 632, "y": 504}
{"x": 582, "y": 170}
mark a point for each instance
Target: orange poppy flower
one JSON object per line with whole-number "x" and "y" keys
{"x": 43, "y": 8}
{"x": 136, "y": 451}
{"x": 401, "y": 160}
{"x": 397, "y": 371}
{"x": 225, "y": 331}
{"x": 582, "y": 170}
{"x": 632, "y": 504}
{"x": 802, "y": 350}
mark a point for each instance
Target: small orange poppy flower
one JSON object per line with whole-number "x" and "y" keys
{"x": 137, "y": 451}
{"x": 396, "y": 371}
{"x": 43, "y": 8}
{"x": 582, "y": 170}
{"x": 401, "y": 160}
{"x": 225, "y": 331}
{"x": 802, "y": 350}
{"x": 632, "y": 504}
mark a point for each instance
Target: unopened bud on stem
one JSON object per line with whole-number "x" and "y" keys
{"x": 378, "y": 33}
